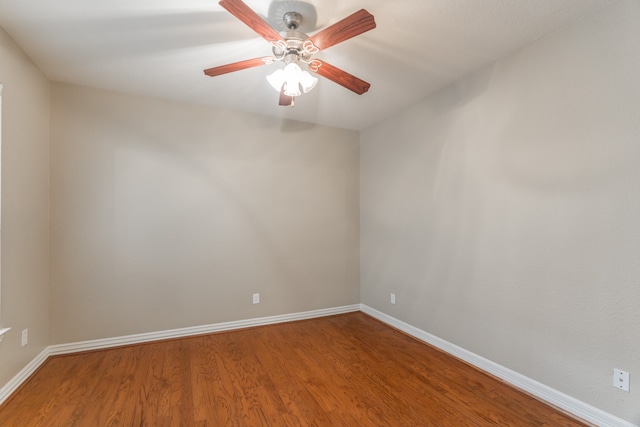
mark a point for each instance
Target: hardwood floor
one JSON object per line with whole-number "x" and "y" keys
{"x": 346, "y": 370}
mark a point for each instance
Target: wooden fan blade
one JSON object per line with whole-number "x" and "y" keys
{"x": 236, "y": 66}
{"x": 244, "y": 13}
{"x": 285, "y": 100}
{"x": 351, "y": 26}
{"x": 343, "y": 78}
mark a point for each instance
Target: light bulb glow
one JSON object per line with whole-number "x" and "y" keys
{"x": 293, "y": 78}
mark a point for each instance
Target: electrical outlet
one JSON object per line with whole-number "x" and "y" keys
{"x": 621, "y": 379}
{"x": 393, "y": 298}
{"x": 25, "y": 337}
{"x": 256, "y": 298}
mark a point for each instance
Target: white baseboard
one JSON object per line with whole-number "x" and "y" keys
{"x": 195, "y": 330}
{"x": 543, "y": 392}
{"x": 8, "y": 389}
{"x": 59, "y": 349}
{"x": 554, "y": 397}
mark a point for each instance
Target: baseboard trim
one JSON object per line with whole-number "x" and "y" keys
{"x": 195, "y": 330}
{"x": 574, "y": 406}
{"x": 7, "y": 390}
{"x": 60, "y": 349}
{"x": 554, "y": 397}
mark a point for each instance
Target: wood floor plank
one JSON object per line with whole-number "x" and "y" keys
{"x": 345, "y": 370}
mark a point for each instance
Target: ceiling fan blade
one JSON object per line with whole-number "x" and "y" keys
{"x": 237, "y": 66}
{"x": 244, "y": 13}
{"x": 341, "y": 77}
{"x": 351, "y": 26}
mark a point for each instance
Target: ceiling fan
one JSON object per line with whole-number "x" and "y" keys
{"x": 295, "y": 48}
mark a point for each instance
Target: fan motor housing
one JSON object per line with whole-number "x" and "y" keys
{"x": 294, "y": 41}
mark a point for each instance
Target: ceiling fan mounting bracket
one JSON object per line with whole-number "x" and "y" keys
{"x": 292, "y": 20}
{"x": 295, "y": 46}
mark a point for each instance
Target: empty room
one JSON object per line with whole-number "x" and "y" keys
{"x": 320, "y": 213}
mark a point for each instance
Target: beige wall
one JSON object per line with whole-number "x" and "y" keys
{"x": 25, "y": 208}
{"x": 166, "y": 215}
{"x": 504, "y": 211}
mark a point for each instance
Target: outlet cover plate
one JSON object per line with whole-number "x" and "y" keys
{"x": 621, "y": 379}
{"x": 25, "y": 337}
{"x": 256, "y": 298}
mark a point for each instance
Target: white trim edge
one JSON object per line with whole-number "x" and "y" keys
{"x": 3, "y": 331}
{"x": 574, "y": 406}
{"x": 195, "y": 330}
{"x": 26, "y": 372}
{"x": 554, "y": 397}
{"x": 60, "y": 349}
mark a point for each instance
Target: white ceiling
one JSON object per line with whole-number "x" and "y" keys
{"x": 159, "y": 48}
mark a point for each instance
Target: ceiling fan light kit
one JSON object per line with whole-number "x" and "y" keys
{"x": 290, "y": 79}
{"x": 297, "y": 48}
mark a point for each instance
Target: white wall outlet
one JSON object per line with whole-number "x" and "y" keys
{"x": 256, "y": 298}
{"x": 393, "y": 298}
{"x": 621, "y": 379}
{"x": 25, "y": 337}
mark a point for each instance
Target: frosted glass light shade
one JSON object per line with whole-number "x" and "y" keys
{"x": 276, "y": 79}
{"x": 292, "y": 77}
{"x": 307, "y": 81}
